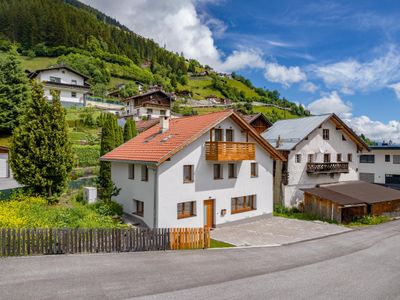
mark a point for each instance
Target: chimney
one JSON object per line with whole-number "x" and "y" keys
{"x": 278, "y": 142}
{"x": 164, "y": 123}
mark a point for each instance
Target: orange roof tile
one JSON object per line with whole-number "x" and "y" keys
{"x": 154, "y": 146}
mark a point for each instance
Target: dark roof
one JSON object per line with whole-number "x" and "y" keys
{"x": 35, "y": 73}
{"x": 143, "y": 125}
{"x": 355, "y": 192}
{"x": 385, "y": 146}
{"x": 252, "y": 117}
{"x": 147, "y": 94}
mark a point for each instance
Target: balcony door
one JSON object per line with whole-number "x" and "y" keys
{"x": 209, "y": 213}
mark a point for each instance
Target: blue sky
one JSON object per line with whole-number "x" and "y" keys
{"x": 330, "y": 56}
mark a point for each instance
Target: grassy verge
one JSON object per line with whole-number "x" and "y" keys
{"x": 369, "y": 220}
{"x": 219, "y": 244}
{"x": 294, "y": 213}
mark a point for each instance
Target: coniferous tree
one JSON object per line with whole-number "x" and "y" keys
{"x": 14, "y": 91}
{"x": 41, "y": 156}
{"x": 129, "y": 130}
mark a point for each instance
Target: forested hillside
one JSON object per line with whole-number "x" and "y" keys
{"x": 100, "y": 47}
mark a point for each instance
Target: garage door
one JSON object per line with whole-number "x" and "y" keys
{"x": 368, "y": 177}
{"x": 3, "y": 168}
{"x": 392, "y": 179}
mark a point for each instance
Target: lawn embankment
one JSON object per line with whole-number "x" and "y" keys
{"x": 220, "y": 244}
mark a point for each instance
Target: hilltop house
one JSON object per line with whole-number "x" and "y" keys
{"x": 72, "y": 85}
{"x": 148, "y": 105}
{"x": 4, "y": 167}
{"x": 195, "y": 171}
{"x": 381, "y": 165}
{"x": 319, "y": 150}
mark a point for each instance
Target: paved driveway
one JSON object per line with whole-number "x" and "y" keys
{"x": 8, "y": 183}
{"x": 274, "y": 231}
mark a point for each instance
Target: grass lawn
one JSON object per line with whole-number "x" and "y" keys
{"x": 115, "y": 81}
{"x": 294, "y": 213}
{"x": 35, "y": 63}
{"x": 242, "y": 87}
{"x": 280, "y": 113}
{"x": 206, "y": 110}
{"x": 219, "y": 244}
{"x": 369, "y": 220}
{"x": 201, "y": 88}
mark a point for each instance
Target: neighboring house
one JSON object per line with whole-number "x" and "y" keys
{"x": 319, "y": 150}
{"x": 148, "y": 105}
{"x": 346, "y": 201}
{"x": 381, "y": 165}
{"x": 258, "y": 121}
{"x": 4, "y": 167}
{"x": 72, "y": 85}
{"x": 195, "y": 171}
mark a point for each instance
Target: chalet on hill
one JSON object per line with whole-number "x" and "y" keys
{"x": 258, "y": 121}
{"x": 148, "y": 105}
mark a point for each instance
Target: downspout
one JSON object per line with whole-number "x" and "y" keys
{"x": 155, "y": 221}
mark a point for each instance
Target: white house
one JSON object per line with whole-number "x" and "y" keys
{"x": 381, "y": 165}
{"x": 72, "y": 85}
{"x": 319, "y": 150}
{"x": 150, "y": 105}
{"x": 4, "y": 167}
{"x": 195, "y": 171}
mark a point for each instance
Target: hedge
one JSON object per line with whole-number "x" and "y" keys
{"x": 87, "y": 155}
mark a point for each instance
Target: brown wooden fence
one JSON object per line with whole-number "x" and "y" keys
{"x": 20, "y": 242}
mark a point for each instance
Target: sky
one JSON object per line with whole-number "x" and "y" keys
{"x": 330, "y": 56}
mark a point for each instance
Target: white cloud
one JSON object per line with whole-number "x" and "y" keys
{"x": 330, "y": 103}
{"x": 396, "y": 88}
{"x": 283, "y": 75}
{"x": 352, "y": 75}
{"x": 309, "y": 87}
{"x": 242, "y": 59}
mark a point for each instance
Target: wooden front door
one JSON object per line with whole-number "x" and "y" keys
{"x": 209, "y": 213}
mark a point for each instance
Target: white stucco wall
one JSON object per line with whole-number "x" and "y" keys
{"x": 65, "y": 75}
{"x": 140, "y": 112}
{"x": 172, "y": 190}
{"x": 4, "y": 168}
{"x": 380, "y": 168}
{"x": 65, "y": 94}
{"x": 316, "y": 145}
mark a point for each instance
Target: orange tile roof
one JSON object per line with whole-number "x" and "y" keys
{"x": 154, "y": 146}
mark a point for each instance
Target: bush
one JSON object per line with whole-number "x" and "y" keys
{"x": 370, "y": 220}
{"x": 108, "y": 208}
{"x": 87, "y": 155}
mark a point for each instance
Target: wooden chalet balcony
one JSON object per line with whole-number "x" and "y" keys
{"x": 230, "y": 151}
{"x": 327, "y": 168}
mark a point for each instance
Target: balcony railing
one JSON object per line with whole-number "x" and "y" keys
{"x": 230, "y": 151}
{"x": 327, "y": 168}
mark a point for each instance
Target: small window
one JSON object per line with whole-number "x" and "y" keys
{"x": 310, "y": 158}
{"x": 243, "y": 204}
{"x": 343, "y": 138}
{"x": 55, "y": 79}
{"x": 229, "y": 135}
{"x": 298, "y": 158}
{"x": 73, "y": 94}
{"x": 349, "y": 157}
{"x": 73, "y": 81}
{"x": 232, "y": 171}
{"x": 339, "y": 157}
{"x": 327, "y": 158}
{"x": 149, "y": 111}
{"x": 218, "y": 171}
{"x": 367, "y": 159}
{"x": 131, "y": 171}
{"x": 162, "y": 112}
{"x": 254, "y": 169}
{"x": 145, "y": 173}
{"x": 387, "y": 158}
{"x": 188, "y": 173}
{"x": 218, "y": 135}
{"x": 139, "y": 208}
{"x": 325, "y": 134}
{"x": 186, "y": 209}
{"x": 396, "y": 159}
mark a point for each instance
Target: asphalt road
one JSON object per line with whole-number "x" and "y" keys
{"x": 361, "y": 264}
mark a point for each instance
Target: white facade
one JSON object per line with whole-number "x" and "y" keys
{"x": 165, "y": 187}
{"x": 384, "y": 168}
{"x": 4, "y": 167}
{"x": 316, "y": 146}
{"x": 145, "y": 112}
{"x": 70, "y": 85}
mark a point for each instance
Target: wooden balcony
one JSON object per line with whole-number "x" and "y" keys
{"x": 327, "y": 168}
{"x": 230, "y": 151}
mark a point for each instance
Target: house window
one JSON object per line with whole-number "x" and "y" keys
{"x": 218, "y": 135}
{"x": 310, "y": 158}
{"x": 73, "y": 81}
{"x": 218, "y": 171}
{"x": 343, "y": 138}
{"x": 131, "y": 171}
{"x": 188, "y": 173}
{"x": 186, "y": 209}
{"x": 349, "y": 157}
{"x": 243, "y": 204}
{"x": 254, "y": 169}
{"x": 298, "y": 158}
{"x": 339, "y": 157}
{"x": 229, "y": 135}
{"x": 367, "y": 159}
{"x": 162, "y": 112}
{"x": 327, "y": 158}
{"x": 232, "y": 171}
{"x": 325, "y": 134}
{"x": 387, "y": 158}
{"x": 396, "y": 159}
{"x": 73, "y": 94}
{"x": 145, "y": 173}
{"x": 139, "y": 208}
{"x": 149, "y": 111}
{"x": 55, "y": 79}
